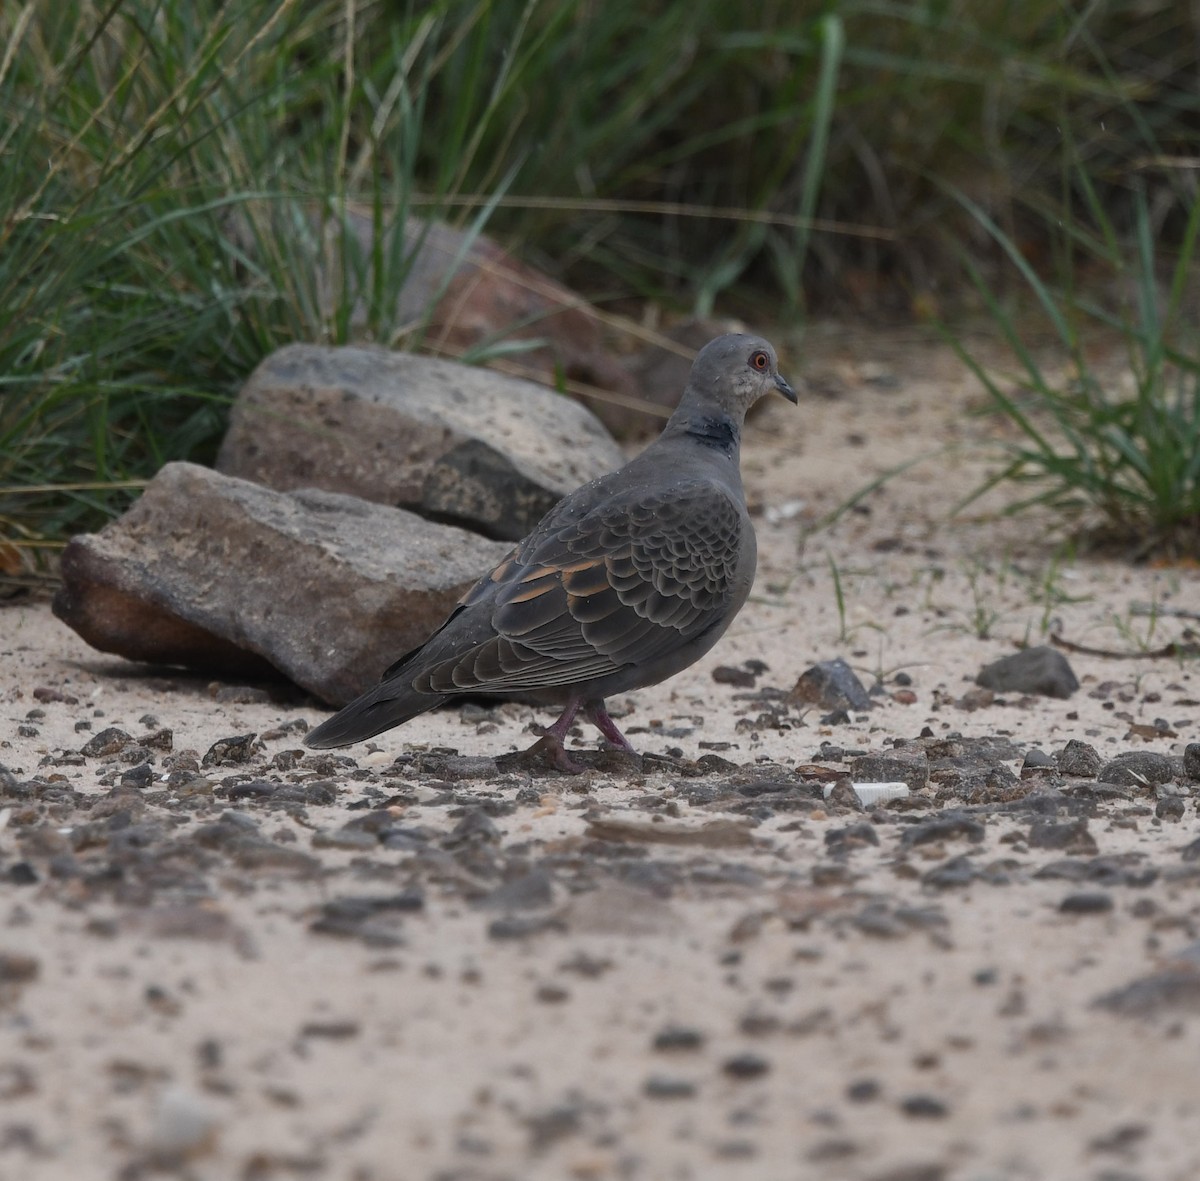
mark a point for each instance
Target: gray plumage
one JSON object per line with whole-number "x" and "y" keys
{"x": 625, "y": 582}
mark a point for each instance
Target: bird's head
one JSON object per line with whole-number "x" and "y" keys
{"x": 734, "y": 371}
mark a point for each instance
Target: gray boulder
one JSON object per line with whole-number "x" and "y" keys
{"x": 453, "y": 443}
{"x": 223, "y": 575}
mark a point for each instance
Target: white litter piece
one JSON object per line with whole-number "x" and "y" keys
{"x": 777, "y": 514}
{"x": 870, "y": 794}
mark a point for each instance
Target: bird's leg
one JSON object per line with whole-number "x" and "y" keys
{"x": 555, "y": 736}
{"x": 598, "y": 716}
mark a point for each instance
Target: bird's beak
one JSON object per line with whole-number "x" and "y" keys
{"x": 786, "y": 390}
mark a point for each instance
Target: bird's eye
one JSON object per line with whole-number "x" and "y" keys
{"x": 761, "y": 362}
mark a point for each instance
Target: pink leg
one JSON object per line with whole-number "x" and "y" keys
{"x": 598, "y": 716}
{"x": 555, "y": 736}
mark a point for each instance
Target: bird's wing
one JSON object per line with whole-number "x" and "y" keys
{"x": 626, "y": 583}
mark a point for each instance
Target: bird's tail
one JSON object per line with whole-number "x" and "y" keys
{"x": 385, "y": 706}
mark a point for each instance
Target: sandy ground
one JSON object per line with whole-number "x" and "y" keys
{"x": 199, "y": 978}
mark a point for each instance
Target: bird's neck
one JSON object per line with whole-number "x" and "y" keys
{"x": 710, "y": 426}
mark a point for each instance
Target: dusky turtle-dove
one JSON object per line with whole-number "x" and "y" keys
{"x": 625, "y": 582}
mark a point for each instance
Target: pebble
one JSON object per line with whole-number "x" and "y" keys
{"x": 830, "y": 685}
{"x": 1079, "y": 759}
{"x": 1171, "y": 808}
{"x": 228, "y": 752}
{"x": 1042, "y": 671}
{"x": 923, "y": 1107}
{"x": 109, "y": 741}
{"x": 958, "y": 871}
{"x": 1072, "y": 837}
{"x": 659, "y": 1086}
{"x": 1086, "y": 903}
{"x": 678, "y": 1038}
{"x": 864, "y": 1090}
{"x": 944, "y": 828}
{"x": 1140, "y": 768}
{"x": 745, "y": 1066}
{"x": 1176, "y": 987}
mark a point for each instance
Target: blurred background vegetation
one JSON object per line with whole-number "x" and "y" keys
{"x": 879, "y": 158}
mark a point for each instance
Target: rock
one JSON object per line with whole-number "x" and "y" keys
{"x": 1071, "y": 837}
{"x": 745, "y": 1066}
{"x": 830, "y": 684}
{"x": 948, "y": 827}
{"x": 1175, "y": 988}
{"x": 222, "y": 575}
{"x": 678, "y": 1038}
{"x": 1079, "y": 758}
{"x": 1140, "y": 768}
{"x": 450, "y": 442}
{"x": 1191, "y": 761}
{"x": 185, "y": 1126}
{"x": 527, "y": 892}
{"x": 1035, "y": 762}
{"x": 659, "y": 1086}
{"x": 1170, "y": 808}
{"x": 109, "y": 741}
{"x": 1042, "y": 670}
{"x": 1087, "y": 903}
{"x": 911, "y": 768}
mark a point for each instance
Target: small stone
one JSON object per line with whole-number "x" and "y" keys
{"x": 141, "y": 776}
{"x": 912, "y": 769}
{"x": 1072, "y": 837}
{"x": 678, "y": 1038}
{"x": 334, "y": 1030}
{"x": 740, "y": 678}
{"x": 346, "y": 837}
{"x": 659, "y": 1086}
{"x": 1191, "y": 761}
{"x": 1035, "y": 762}
{"x": 185, "y": 1127}
{"x": 943, "y": 828}
{"x": 475, "y": 828}
{"x": 830, "y": 685}
{"x": 1174, "y": 988}
{"x": 1140, "y": 768}
{"x": 1171, "y": 808}
{"x": 1040, "y": 670}
{"x": 1086, "y": 903}
{"x": 863, "y": 1090}
{"x": 958, "y": 871}
{"x": 230, "y": 752}
{"x": 18, "y": 969}
{"x": 746, "y": 1066}
{"x": 528, "y": 892}
{"x": 853, "y": 836}
{"x": 21, "y": 873}
{"x": 1079, "y": 758}
{"x": 108, "y": 742}
{"x": 923, "y": 1107}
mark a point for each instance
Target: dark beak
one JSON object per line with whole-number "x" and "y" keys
{"x": 786, "y": 390}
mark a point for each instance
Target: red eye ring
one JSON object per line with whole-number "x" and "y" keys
{"x": 761, "y": 362}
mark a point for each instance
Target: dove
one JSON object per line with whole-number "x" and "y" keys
{"x": 625, "y": 582}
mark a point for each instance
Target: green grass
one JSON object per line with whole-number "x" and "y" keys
{"x": 177, "y": 175}
{"x": 1115, "y": 453}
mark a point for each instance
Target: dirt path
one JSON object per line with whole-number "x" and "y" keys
{"x": 250, "y": 963}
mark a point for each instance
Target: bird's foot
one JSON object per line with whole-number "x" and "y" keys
{"x": 550, "y": 748}
{"x": 598, "y": 716}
